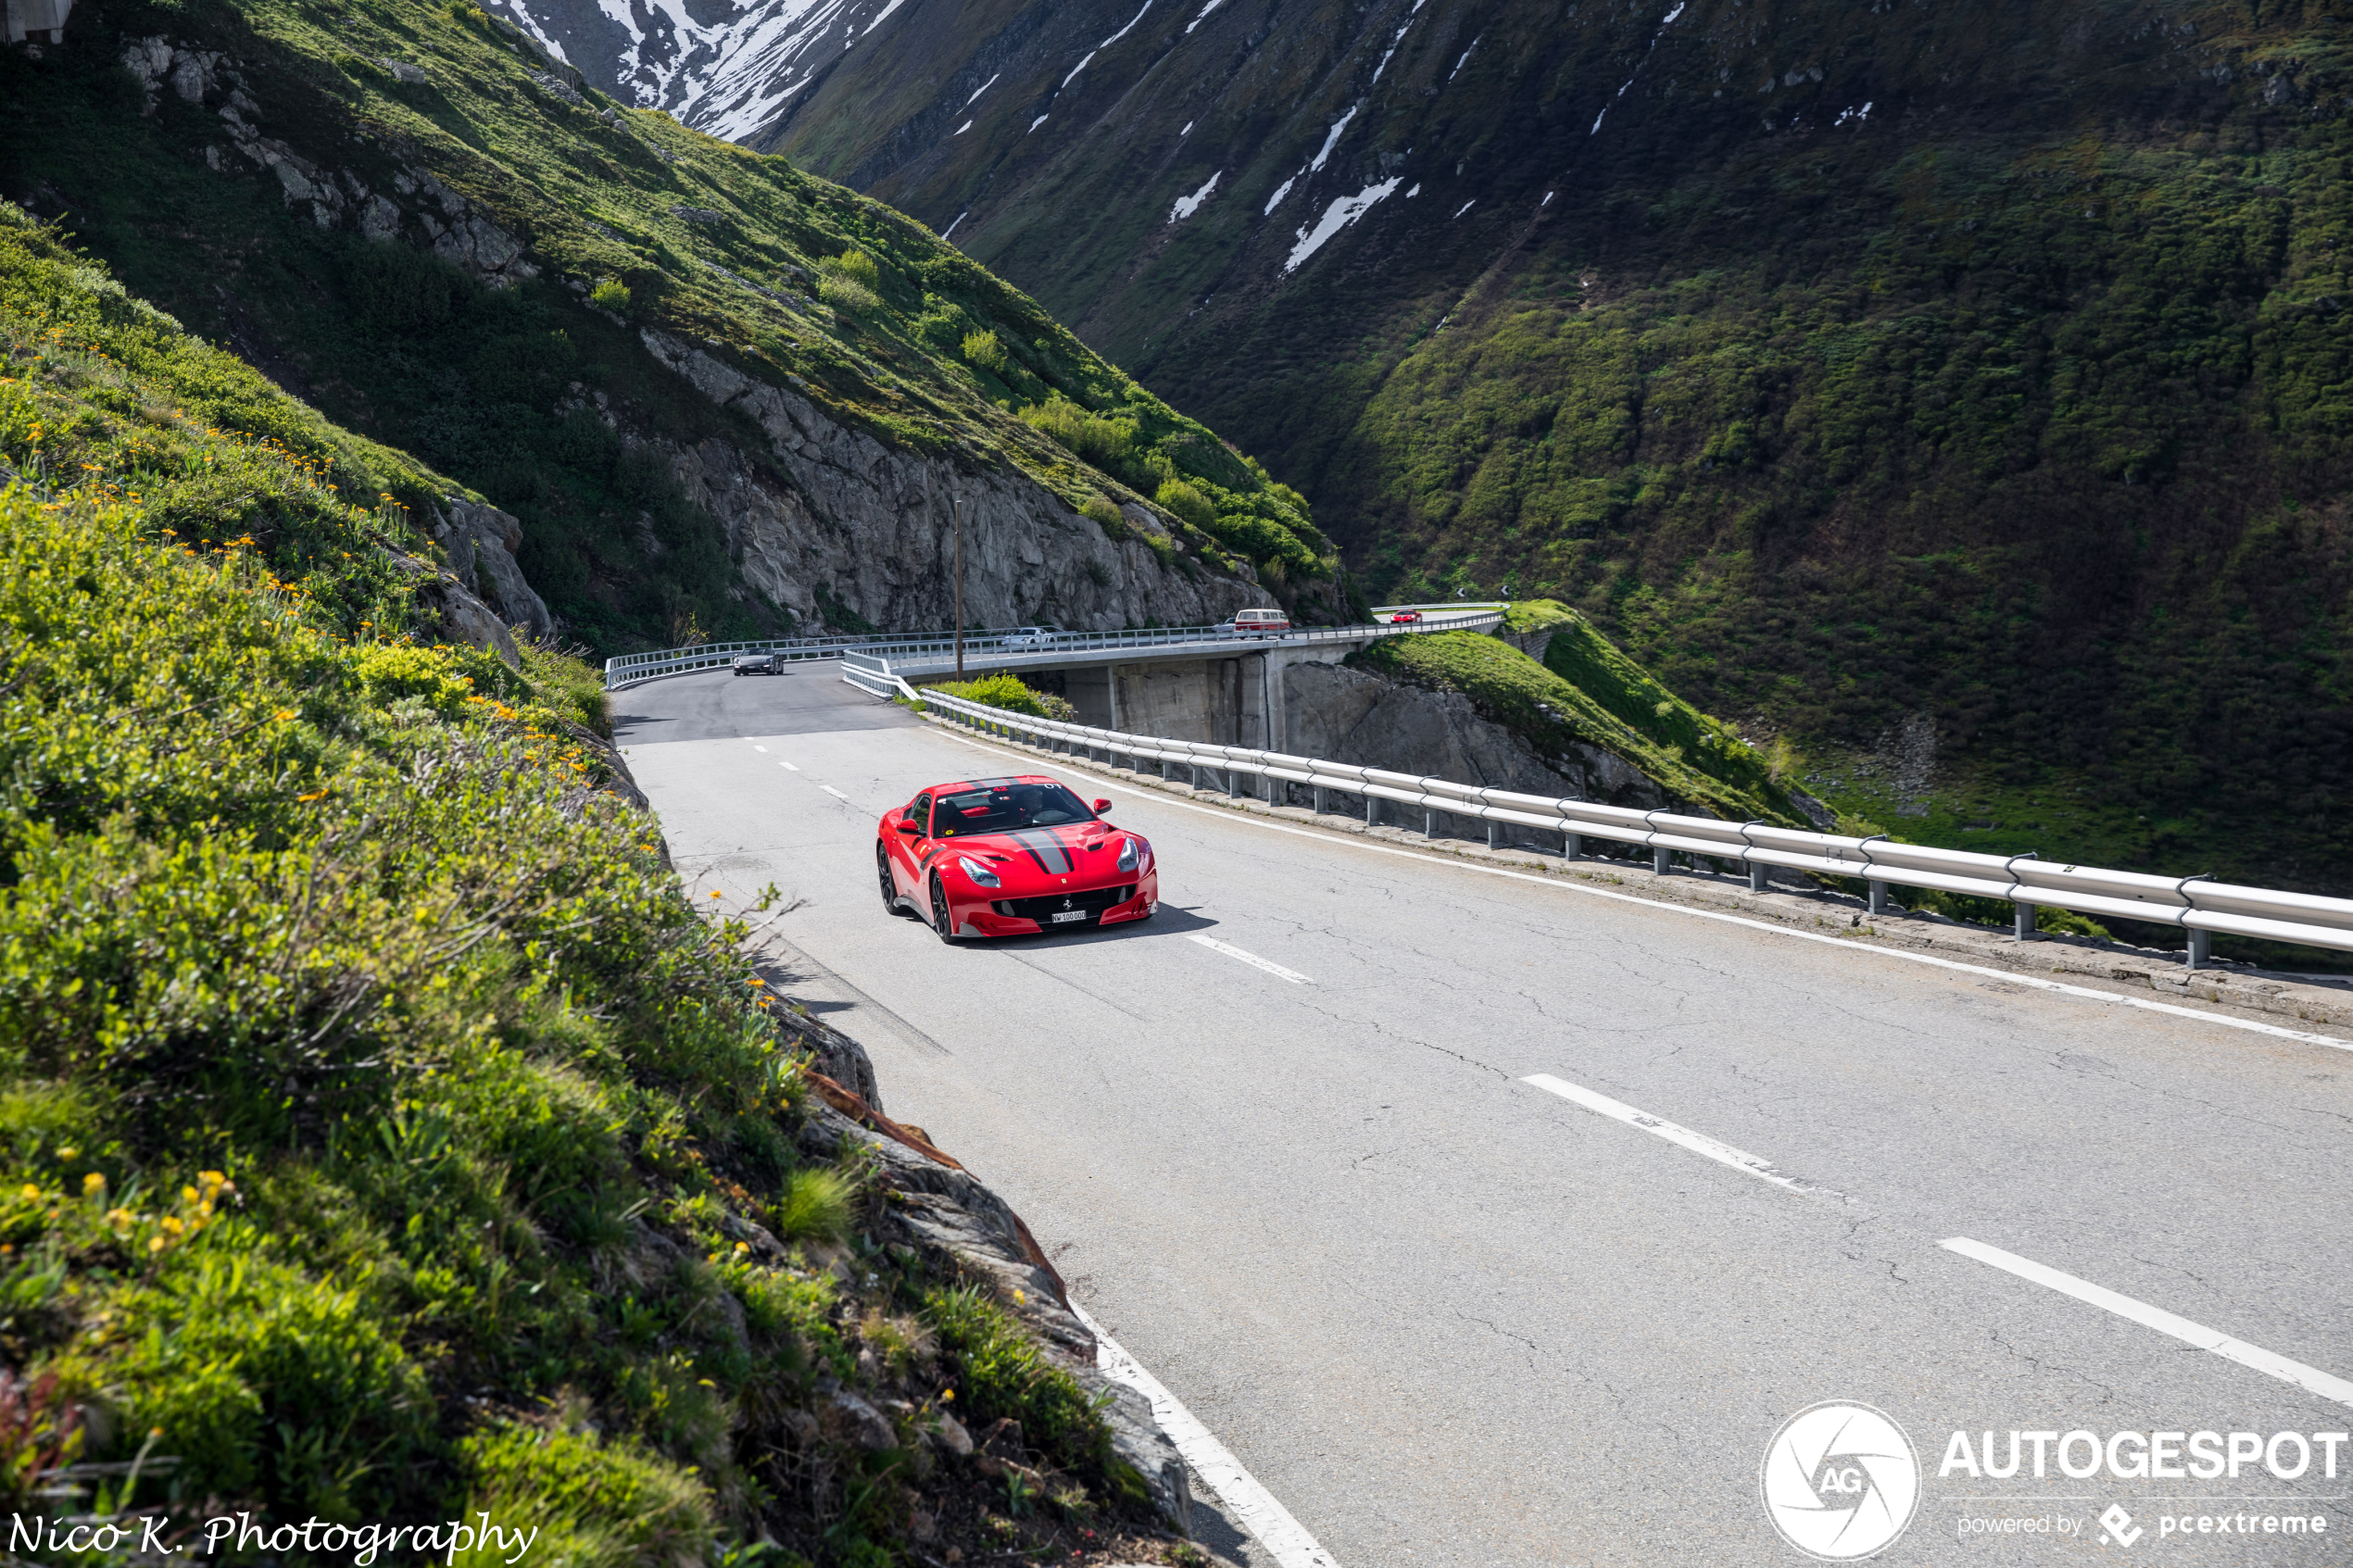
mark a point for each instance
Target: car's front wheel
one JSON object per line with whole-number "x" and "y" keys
{"x": 942, "y": 921}
{"x": 889, "y": 883}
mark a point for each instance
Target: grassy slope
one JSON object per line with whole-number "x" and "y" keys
{"x": 489, "y": 385}
{"x": 1586, "y": 692}
{"x": 380, "y": 1127}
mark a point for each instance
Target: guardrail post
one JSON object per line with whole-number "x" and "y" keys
{"x": 1659, "y": 862}
{"x": 1879, "y": 898}
{"x": 1757, "y": 870}
{"x": 2022, "y": 922}
{"x": 1321, "y": 793}
{"x": 1372, "y": 811}
{"x": 1430, "y": 822}
{"x": 1233, "y": 784}
{"x": 1572, "y": 847}
{"x": 1494, "y": 834}
{"x": 2201, "y": 951}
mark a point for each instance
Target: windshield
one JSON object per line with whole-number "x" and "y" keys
{"x": 1001, "y": 808}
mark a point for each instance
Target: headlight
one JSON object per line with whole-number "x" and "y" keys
{"x": 978, "y": 872}
{"x": 1133, "y": 853}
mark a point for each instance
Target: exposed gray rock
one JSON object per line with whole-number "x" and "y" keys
{"x": 698, "y": 214}
{"x": 548, "y": 82}
{"x": 869, "y": 1425}
{"x": 463, "y": 617}
{"x": 401, "y": 70}
{"x": 483, "y": 542}
{"x": 833, "y": 508}
{"x": 1355, "y": 716}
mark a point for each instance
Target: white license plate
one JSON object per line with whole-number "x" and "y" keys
{"x": 1069, "y": 915}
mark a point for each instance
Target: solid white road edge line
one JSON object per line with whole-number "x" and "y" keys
{"x": 2059, "y": 987}
{"x": 1698, "y": 1143}
{"x": 1278, "y": 970}
{"x": 1284, "y": 1538}
{"x": 834, "y": 793}
{"x": 2311, "y": 1379}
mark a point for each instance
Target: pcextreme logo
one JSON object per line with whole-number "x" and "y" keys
{"x": 1839, "y": 1481}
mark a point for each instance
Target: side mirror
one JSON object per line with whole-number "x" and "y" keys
{"x": 908, "y": 827}
{"x": 1102, "y": 807}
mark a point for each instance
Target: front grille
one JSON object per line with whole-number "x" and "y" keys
{"x": 1044, "y": 910}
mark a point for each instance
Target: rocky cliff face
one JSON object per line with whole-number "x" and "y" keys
{"x": 831, "y": 514}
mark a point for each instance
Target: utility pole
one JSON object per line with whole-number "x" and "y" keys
{"x": 957, "y": 507}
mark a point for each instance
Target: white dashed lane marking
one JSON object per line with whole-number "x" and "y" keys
{"x": 834, "y": 793}
{"x": 2311, "y": 1379}
{"x": 1278, "y": 970}
{"x": 1698, "y": 1143}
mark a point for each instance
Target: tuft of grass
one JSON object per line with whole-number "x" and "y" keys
{"x": 816, "y": 1205}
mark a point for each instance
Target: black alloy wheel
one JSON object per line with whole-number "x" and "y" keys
{"x": 889, "y": 883}
{"x": 940, "y": 917}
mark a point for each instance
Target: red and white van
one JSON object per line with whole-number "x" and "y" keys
{"x": 1260, "y": 622}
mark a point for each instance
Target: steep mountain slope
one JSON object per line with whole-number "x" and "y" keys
{"x": 1968, "y": 371}
{"x": 713, "y": 394}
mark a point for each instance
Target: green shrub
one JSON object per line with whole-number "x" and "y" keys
{"x": 1187, "y": 503}
{"x": 983, "y": 349}
{"x": 1008, "y": 692}
{"x": 844, "y": 292}
{"x": 610, "y": 294}
{"x": 1106, "y": 516}
{"x": 388, "y": 674}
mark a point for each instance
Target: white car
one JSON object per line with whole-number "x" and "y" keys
{"x": 1032, "y": 637}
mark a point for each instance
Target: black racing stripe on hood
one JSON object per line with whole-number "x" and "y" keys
{"x": 1044, "y": 848}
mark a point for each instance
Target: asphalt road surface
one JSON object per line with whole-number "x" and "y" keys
{"x": 1449, "y": 1316}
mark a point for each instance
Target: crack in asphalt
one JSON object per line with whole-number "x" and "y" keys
{"x": 2108, "y": 1395}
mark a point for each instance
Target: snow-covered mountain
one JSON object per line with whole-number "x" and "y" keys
{"x": 728, "y": 70}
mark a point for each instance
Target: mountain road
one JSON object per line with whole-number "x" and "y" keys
{"x": 1489, "y": 1223}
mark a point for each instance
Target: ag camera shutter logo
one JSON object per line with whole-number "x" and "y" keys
{"x": 1841, "y": 1481}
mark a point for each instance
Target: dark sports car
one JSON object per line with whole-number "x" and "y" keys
{"x": 1008, "y": 857}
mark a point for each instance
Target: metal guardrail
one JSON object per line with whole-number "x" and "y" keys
{"x": 2197, "y": 904}
{"x": 922, "y": 653}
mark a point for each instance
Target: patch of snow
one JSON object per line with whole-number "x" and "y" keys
{"x": 1547, "y": 201}
{"x": 1464, "y": 60}
{"x": 952, "y": 228}
{"x": 984, "y": 87}
{"x": 1106, "y": 42}
{"x": 883, "y": 16}
{"x": 1465, "y": 207}
{"x": 1597, "y": 122}
{"x": 1187, "y": 206}
{"x": 1280, "y": 192}
{"x": 962, "y": 129}
{"x": 1188, "y": 131}
{"x": 1337, "y": 216}
{"x": 1036, "y": 123}
{"x": 1415, "y": 192}
{"x": 1204, "y": 15}
{"x": 1858, "y": 115}
{"x": 1315, "y": 164}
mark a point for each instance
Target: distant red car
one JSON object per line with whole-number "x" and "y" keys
{"x": 1403, "y": 616}
{"x": 1009, "y": 856}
